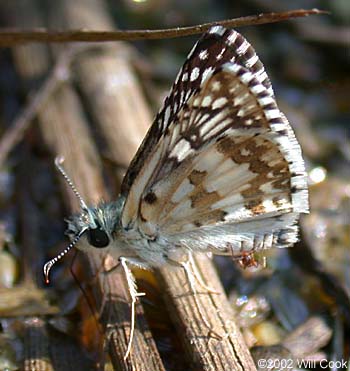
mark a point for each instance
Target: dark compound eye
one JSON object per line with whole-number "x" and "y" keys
{"x": 97, "y": 237}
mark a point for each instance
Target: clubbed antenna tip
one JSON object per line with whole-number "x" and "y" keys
{"x": 53, "y": 261}
{"x": 47, "y": 268}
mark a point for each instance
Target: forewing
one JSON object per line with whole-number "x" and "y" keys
{"x": 215, "y": 48}
{"x": 227, "y": 157}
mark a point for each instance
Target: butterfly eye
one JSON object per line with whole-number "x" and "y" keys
{"x": 97, "y": 237}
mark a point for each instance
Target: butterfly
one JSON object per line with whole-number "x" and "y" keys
{"x": 220, "y": 170}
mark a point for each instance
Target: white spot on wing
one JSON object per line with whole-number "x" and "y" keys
{"x": 272, "y": 114}
{"x": 219, "y": 30}
{"x": 181, "y": 150}
{"x": 268, "y": 205}
{"x": 245, "y": 152}
{"x": 241, "y": 50}
{"x": 247, "y": 77}
{"x": 232, "y": 67}
{"x": 266, "y": 101}
{"x": 206, "y": 73}
{"x": 251, "y": 61}
{"x": 257, "y": 89}
{"x": 232, "y": 38}
{"x": 166, "y": 115}
{"x": 196, "y": 102}
{"x": 206, "y": 101}
{"x": 203, "y": 54}
{"x": 267, "y": 187}
{"x": 218, "y": 103}
{"x": 194, "y": 74}
{"x": 216, "y": 85}
{"x": 220, "y": 55}
{"x": 238, "y": 213}
{"x": 182, "y": 95}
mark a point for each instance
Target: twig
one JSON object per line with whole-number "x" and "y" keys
{"x": 12, "y": 37}
{"x": 16, "y": 131}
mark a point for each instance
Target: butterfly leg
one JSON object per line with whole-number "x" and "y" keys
{"x": 134, "y": 294}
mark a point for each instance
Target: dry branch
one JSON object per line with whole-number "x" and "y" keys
{"x": 9, "y": 37}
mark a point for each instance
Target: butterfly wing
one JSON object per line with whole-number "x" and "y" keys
{"x": 220, "y": 169}
{"x": 215, "y": 48}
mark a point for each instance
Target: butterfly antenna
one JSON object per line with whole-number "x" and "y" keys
{"x": 58, "y": 163}
{"x": 50, "y": 263}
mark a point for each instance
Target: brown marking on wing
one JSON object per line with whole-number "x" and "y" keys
{"x": 214, "y": 216}
{"x": 256, "y": 206}
{"x": 196, "y": 177}
{"x": 252, "y": 152}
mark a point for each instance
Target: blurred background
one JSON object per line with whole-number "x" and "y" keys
{"x": 308, "y": 61}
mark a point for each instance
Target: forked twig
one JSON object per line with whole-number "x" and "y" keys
{"x": 10, "y": 37}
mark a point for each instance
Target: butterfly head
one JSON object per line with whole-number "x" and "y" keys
{"x": 96, "y": 224}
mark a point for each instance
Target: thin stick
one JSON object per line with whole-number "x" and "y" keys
{"x": 10, "y": 37}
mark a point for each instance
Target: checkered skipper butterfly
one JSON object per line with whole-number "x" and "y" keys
{"x": 219, "y": 171}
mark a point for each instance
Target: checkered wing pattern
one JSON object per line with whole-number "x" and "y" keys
{"x": 220, "y": 169}
{"x": 213, "y": 50}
